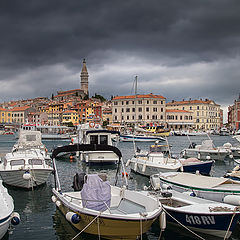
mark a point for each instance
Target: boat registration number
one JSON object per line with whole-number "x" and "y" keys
{"x": 199, "y": 220}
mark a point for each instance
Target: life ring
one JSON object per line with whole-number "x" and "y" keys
{"x": 92, "y": 124}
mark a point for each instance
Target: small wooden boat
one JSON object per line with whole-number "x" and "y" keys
{"x": 213, "y": 188}
{"x": 197, "y": 214}
{"x": 101, "y": 209}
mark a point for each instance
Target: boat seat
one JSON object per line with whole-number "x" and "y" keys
{"x": 127, "y": 207}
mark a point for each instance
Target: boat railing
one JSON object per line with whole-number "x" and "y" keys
{"x": 87, "y": 200}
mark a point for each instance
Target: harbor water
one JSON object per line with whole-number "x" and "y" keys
{"x": 41, "y": 220}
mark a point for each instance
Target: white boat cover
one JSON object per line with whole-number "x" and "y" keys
{"x": 29, "y": 138}
{"x": 198, "y": 181}
{"x": 96, "y": 193}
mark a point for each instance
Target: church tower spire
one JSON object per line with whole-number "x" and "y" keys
{"x": 84, "y": 78}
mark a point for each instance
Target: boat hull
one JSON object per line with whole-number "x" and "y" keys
{"x": 212, "y": 224}
{"x": 100, "y": 157}
{"x": 15, "y": 177}
{"x": 139, "y": 167}
{"x": 4, "y": 225}
{"x": 106, "y": 226}
{"x": 126, "y": 138}
{"x": 204, "y": 168}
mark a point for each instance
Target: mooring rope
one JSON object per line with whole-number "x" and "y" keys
{"x": 183, "y": 225}
{"x": 86, "y": 226}
{"x": 230, "y": 224}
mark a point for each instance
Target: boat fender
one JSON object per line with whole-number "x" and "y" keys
{"x": 58, "y": 203}
{"x": 128, "y": 162}
{"x": 199, "y": 155}
{"x": 155, "y": 182}
{"x": 15, "y": 218}
{"x": 73, "y": 217}
{"x": 230, "y": 156}
{"x": 191, "y": 194}
{"x": 208, "y": 157}
{"x": 232, "y": 199}
{"x": 135, "y": 167}
{"x": 162, "y": 221}
{"x": 181, "y": 169}
{"x": 54, "y": 199}
{"x": 166, "y": 187}
{"x": 27, "y": 176}
{"x": 144, "y": 167}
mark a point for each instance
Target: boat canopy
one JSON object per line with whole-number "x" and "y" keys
{"x": 29, "y": 138}
{"x": 103, "y": 131}
{"x": 86, "y": 147}
{"x": 197, "y": 181}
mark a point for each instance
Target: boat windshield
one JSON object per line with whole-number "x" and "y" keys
{"x": 35, "y": 162}
{"x": 104, "y": 139}
{"x": 17, "y": 162}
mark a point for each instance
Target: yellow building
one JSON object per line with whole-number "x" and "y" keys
{"x": 5, "y": 115}
{"x": 206, "y": 113}
{"x": 70, "y": 116}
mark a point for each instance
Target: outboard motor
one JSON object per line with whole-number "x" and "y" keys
{"x": 78, "y": 181}
{"x": 192, "y": 145}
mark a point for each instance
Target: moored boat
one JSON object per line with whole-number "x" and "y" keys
{"x": 197, "y": 214}
{"x": 212, "y": 188}
{"x": 7, "y": 216}
{"x": 104, "y": 210}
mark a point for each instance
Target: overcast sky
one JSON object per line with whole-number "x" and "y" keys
{"x": 177, "y": 48}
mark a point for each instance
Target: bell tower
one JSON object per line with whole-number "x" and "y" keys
{"x": 84, "y": 78}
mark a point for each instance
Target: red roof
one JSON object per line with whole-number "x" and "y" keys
{"x": 176, "y": 110}
{"x": 19, "y": 109}
{"x": 207, "y": 101}
{"x": 139, "y": 96}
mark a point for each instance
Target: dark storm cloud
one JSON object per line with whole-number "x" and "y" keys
{"x": 42, "y": 45}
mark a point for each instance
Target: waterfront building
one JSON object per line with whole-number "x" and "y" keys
{"x": 142, "y": 109}
{"x": 234, "y": 115}
{"x": 54, "y": 118}
{"x": 5, "y": 115}
{"x": 179, "y": 119}
{"x": 38, "y": 118}
{"x": 206, "y": 113}
{"x": 84, "y": 78}
{"x": 20, "y": 114}
{"x": 70, "y": 116}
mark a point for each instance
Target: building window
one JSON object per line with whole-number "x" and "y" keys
{"x": 183, "y": 108}
{"x": 154, "y": 102}
{"x": 122, "y": 102}
{"x": 140, "y": 117}
{"x": 140, "y": 109}
{"x": 127, "y": 117}
{"x": 161, "y": 117}
{"x": 132, "y": 102}
{"x": 161, "y": 102}
{"x": 176, "y": 117}
{"x": 180, "y": 117}
{"x": 115, "y": 103}
{"x": 115, "y": 110}
{"x": 154, "y": 109}
{"x": 197, "y": 107}
{"x": 139, "y": 101}
{"x": 115, "y": 118}
{"x": 127, "y": 102}
{"x": 190, "y": 108}
{"x": 161, "y": 109}
{"x": 133, "y": 109}
{"x": 122, "y": 109}
{"x": 128, "y": 110}
{"x": 132, "y": 117}
{"x": 148, "y": 117}
{"x": 147, "y": 109}
{"x": 147, "y": 101}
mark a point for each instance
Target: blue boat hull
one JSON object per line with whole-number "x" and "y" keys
{"x": 213, "y": 224}
{"x": 203, "y": 168}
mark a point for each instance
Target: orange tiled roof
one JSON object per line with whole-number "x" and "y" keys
{"x": 18, "y": 109}
{"x": 176, "y": 110}
{"x": 189, "y": 102}
{"x": 139, "y": 96}
{"x": 69, "y": 111}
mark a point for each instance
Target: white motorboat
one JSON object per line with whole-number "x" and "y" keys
{"x": 7, "y": 216}
{"x": 27, "y": 165}
{"x": 140, "y": 138}
{"x": 224, "y": 132}
{"x": 49, "y": 132}
{"x": 206, "y": 151}
{"x": 234, "y": 148}
{"x": 213, "y": 188}
{"x": 156, "y": 160}
{"x": 97, "y": 136}
{"x": 101, "y": 209}
{"x": 197, "y": 214}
